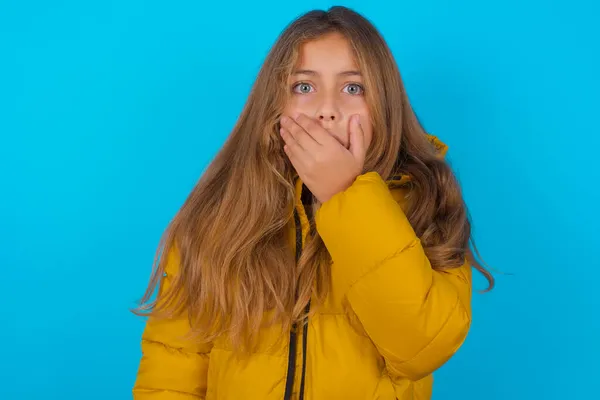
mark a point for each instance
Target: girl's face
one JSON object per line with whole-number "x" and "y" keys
{"x": 327, "y": 85}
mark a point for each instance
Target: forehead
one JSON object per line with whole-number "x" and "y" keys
{"x": 329, "y": 52}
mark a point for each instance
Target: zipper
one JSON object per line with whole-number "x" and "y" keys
{"x": 291, "y": 371}
{"x": 304, "y": 340}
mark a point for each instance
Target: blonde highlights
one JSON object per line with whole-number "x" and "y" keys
{"x": 232, "y": 232}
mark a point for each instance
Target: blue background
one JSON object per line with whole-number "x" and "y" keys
{"x": 110, "y": 110}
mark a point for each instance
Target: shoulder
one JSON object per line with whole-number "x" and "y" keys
{"x": 400, "y": 192}
{"x": 400, "y": 186}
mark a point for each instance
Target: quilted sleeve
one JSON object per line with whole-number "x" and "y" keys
{"x": 416, "y": 316}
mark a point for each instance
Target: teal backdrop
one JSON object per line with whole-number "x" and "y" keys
{"x": 110, "y": 110}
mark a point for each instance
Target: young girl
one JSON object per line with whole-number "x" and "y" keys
{"x": 324, "y": 254}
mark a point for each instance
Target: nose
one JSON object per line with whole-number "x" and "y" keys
{"x": 327, "y": 117}
{"x": 330, "y": 116}
{"x": 328, "y": 110}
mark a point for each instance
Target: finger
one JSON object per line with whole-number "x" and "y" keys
{"x": 295, "y": 151}
{"x": 291, "y": 141}
{"x": 357, "y": 138}
{"x": 299, "y": 134}
{"x": 319, "y": 134}
{"x": 293, "y": 157}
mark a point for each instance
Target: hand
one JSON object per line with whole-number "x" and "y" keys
{"x": 324, "y": 165}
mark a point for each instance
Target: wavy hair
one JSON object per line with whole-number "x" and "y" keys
{"x": 235, "y": 265}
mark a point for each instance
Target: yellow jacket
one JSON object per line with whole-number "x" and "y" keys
{"x": 388, "y": 323}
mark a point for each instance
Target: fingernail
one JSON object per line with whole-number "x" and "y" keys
{"x": 296, "y": 115}
{"x": 284, "y": 119}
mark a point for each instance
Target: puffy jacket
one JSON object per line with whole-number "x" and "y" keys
{"x": 387, "y": 324}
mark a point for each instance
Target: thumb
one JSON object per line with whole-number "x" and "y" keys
{"x": 357, "y": 138}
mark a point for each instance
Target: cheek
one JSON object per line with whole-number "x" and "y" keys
{"x": 300, "y": 104}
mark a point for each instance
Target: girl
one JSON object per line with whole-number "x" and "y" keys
{"x": 324, "y": 254}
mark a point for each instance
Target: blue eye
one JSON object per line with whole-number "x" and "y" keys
{"x": 302, "y": 88}
{"x": 354, "y": 89}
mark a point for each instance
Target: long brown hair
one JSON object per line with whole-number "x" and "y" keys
{"x": 231, "y": 234}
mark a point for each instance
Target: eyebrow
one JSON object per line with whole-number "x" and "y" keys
{"x": 311, "y": 72}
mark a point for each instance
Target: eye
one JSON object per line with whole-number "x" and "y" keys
{"x": 353, "y": 89}
{"x": 302, "y": 88}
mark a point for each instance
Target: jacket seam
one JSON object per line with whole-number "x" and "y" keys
{"x": 142, "y": 389}
{"x": 253, "y": 352}
{"x": 393, "y": 255}
{"x": 175, "y": 348}
{"x": 457, "y": 305}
